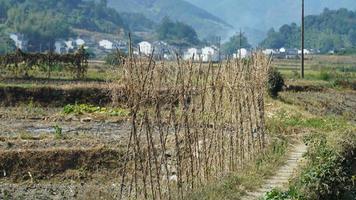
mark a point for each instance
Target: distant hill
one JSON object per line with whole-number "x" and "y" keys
{"x": 44, "y": 21}
{"x": 202, "y": 21}
{"x": 331, "y": 30}
{"x": 256, "y": 16}
{"x": 137, "y": 22}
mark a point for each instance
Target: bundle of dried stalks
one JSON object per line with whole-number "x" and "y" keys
{"x": 190, "y": 123}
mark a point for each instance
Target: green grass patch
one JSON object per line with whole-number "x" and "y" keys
{"x": 317, "y": 123}
{"x": 80, "y": 109}
{"x": 58, "y": 134}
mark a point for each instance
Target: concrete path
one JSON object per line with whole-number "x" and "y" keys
{"x": 282, "y": 176}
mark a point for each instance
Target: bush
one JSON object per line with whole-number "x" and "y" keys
{"x": 58, "y": 132}
{"x": 275, "y": 82}
{"x": 115, "y": 58}
{"x": 325, "y": 76}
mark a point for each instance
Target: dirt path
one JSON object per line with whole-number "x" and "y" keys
{"x": 282, "y": 176}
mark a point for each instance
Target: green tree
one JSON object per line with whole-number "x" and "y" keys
{"x": 331, "y": 30}
{"x": 138, "y": 22}
{"x": 177, "y": 33}
{"x": 39, "y": 27}
{"x": 352, "y": 37}
{"x": 43, "y": 21}
{"x": 274, "y": 40}
{"x": 235, "y": 42}
{"x": 4, "y": 6}
{"x": 6, "y": 44}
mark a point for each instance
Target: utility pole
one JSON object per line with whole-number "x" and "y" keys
{"x": 240, "y": 43}
{"x": 219, "y": 47}
{"x": 302, "y": 67}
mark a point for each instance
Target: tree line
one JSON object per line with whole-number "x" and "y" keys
{"x": 43, "y": 21}
{"x": 331, "y": 30}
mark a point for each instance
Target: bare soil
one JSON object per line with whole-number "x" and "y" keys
{"x": 36, "y": 164}
{"x": 53, "y": 96}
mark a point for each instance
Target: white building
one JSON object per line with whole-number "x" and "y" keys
{"x": 188, "y": 55}
{"x": 20, "y": 41}
{"x": 210, "y": 54}
{"x": 306, "y": 52}
{"x": 106, "y": 44}
{"x": 145, "y": 48}
{"x": 282, "y": 50}
{"x": 60, "y": 47}
{"x": 69, "y": 45}
{"x": 79, "y": 42}
{"x": 168, "y": 56}
{"x": 269, "y": 52}
{"x": 242, "y": 53}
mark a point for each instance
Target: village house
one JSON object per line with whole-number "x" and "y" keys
{"x": 291, "y": 53}
{"x": 242, "y": 53}
{"x": 79, "y": 42}
{"x": 20, "y": 41}
{"x": 106, "y": 44}
{"x": 67, "y": 46}
{"x": 282, "y": 50}
{"x": 162, "y": 50}
{"x": 210, "y": 53}
{"x": 269, "y": 52}
{"x": 60, "y": 47}
{"x": 192, "y": 52}
{"x": 145, "y": 47}
{"x": 287, "y": 53}
{"x": 306, "y": 52}
{"x": 122, "y": 46}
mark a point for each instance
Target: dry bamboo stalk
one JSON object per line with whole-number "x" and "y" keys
{"x": 208, "y": 120}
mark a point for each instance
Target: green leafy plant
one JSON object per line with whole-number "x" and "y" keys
{"x": 115, "y": 58}
{"x": 80, "y": 109}
{"x": 275, "y": 82}
{"x": 58, "y": 134}
{"x": 325, "y": 76}
{"x": 276, "y": 194}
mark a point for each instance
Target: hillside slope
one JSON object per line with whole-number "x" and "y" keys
{"x": 262, "y": 15}
{"x": 331, "y": 30}
{"x": 43, "y": 21}
{"x": 205, "y": 23}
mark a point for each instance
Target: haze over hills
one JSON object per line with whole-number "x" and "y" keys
{"x": 255, "y": 17}
{"x": 42, "y": 22}
{"x": 205, "y": 23}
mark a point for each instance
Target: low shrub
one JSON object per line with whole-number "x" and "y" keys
{"x": 58, "y": 133}
{"x": 325, "y": 76}
{"x": 115, "y": 58}
{"x": 275, "y": 82}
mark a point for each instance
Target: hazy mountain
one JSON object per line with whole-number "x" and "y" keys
{"x": 205, "y": 23}
{"x": 256, "y": 16}
{"x": 330, "y": 30}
